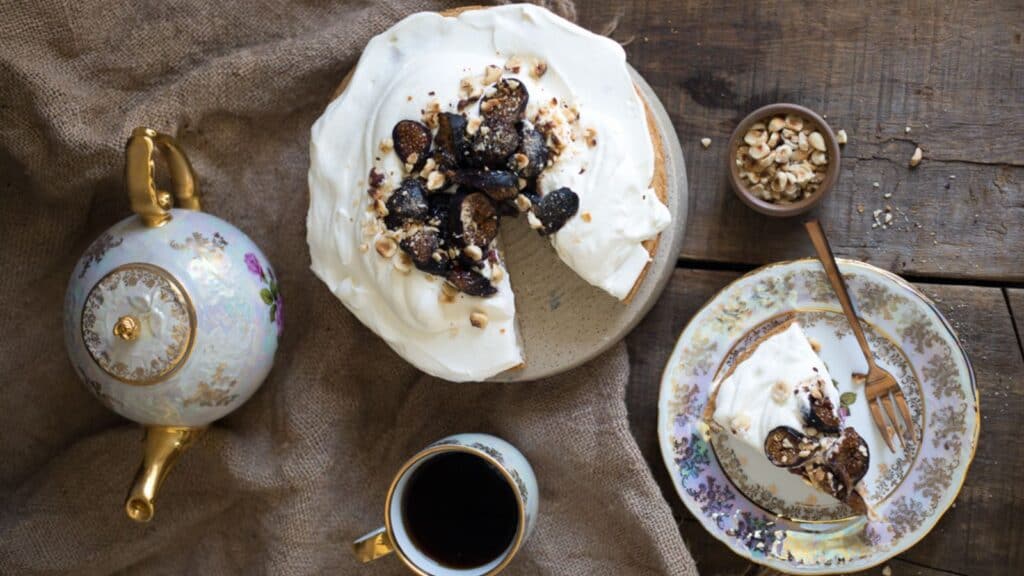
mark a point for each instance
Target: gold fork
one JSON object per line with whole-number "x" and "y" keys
{"x": 881, "y": 388}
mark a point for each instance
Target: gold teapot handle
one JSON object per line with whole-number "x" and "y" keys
{"x": 151, "y": 204}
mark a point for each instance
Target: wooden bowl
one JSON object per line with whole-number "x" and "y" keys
{"x": 783, "y": 209}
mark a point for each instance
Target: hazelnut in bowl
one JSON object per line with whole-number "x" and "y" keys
{"x": 783, "y": 159}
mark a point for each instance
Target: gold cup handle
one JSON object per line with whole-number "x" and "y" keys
{"x": 374, "y": 545}
{"x": 151, "y": 204}
{"x": 163, "y": 446}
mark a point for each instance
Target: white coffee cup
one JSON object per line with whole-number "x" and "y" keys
{"x": 394, "y": 537}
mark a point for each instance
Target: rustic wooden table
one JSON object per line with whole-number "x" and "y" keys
{"x": 953, "y": 72}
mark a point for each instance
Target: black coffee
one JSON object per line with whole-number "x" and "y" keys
{"x": 459, "y": 510}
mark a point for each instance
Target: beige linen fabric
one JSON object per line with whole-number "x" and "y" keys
{"x": 285, "y": 483}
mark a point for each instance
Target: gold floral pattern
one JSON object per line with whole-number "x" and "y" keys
{"x": 945, "y": 375}
{"x": 949, "y": 426}
{"x": 918, "y": 330}
{"x": 934, "y": 478}
{"x": 201, "y": 244}
{"x": 97, "y": 250}
{"x": 217, "y": 392}
{"x": 685, "y": 402}
{"x": 905, "y": 515}
{"x": 698, "y": 356}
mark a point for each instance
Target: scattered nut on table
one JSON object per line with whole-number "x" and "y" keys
{"x": 784, "y": 160}
{"x": 705, "y": 142}
{"x": 916, "y": 158}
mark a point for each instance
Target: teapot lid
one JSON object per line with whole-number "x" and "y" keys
{"x": 139, "y": 324}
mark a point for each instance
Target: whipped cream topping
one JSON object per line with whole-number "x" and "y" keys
{"x": 422, "y": 59}
{"x": 769, "y": 388}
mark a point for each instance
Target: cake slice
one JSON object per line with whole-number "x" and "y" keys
{"x": 778, "y": 397}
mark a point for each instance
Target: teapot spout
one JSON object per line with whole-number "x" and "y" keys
{"x": 163, "y": 445}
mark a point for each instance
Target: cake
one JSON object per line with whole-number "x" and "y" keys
{"x": 779, "y": 398}
{"x": 450, "y": 124}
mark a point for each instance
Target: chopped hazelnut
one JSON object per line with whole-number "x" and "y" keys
{"x": 428, "y": 167}
{"x": 916, "y": 158}
{"x": 403, "y": 263}
{"x": 385, "y": 246}
{"x": 478, "y": 320}
{"x": 523, "y": 203}
{"x": 473, "y": 252}
{"x": 447, "y": 293}
{"x": 740, "y": 423}
{"x": 492, "y": 74}
{"x": 435, "y": 181}
{"x": 539, "y": 69}
{"x": 586, "y": 217}
{"x": 513, "y": 64}
{"x": 387, "y": 145}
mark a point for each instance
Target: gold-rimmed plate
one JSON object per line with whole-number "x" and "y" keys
{"x": 770, "y": 516}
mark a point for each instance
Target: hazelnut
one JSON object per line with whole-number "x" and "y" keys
{"x": 385, "y": 246}
{"x": 478, "y": 320}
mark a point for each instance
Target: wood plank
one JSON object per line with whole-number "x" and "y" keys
{"x": 984, "y": 532}
{"x": 949, "y": 70}
{"x": 1015, "y": 297}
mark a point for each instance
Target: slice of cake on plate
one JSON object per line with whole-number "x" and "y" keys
{"x": 779, "y": 398}
{"x": 450, "y": 123}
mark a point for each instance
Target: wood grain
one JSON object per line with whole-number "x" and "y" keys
{"x": 952, "y": 71}
{"x": 1015, "y": 297}
{"x": 982, "y": 534}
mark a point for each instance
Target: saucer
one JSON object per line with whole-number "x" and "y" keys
{"x": 768, "y": 515}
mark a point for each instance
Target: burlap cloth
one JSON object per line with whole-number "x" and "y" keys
{"x": 285, "y": 483}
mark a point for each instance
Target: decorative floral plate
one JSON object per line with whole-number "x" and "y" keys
{"x": 769, "y": 515}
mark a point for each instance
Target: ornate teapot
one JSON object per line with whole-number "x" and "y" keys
{"x": 171, "y": 317}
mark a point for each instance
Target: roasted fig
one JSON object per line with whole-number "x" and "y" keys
{"x": 439, "y": 203}
{"x": 788, "y": 448}
{"x": 822, "y": 414}
{"x": 425, "y": 247}
{"x": 473, "y": 219}
{"x": 471, "y": 282}
{"x": 494, "y": 143}
{"x": 555, "y": 208}
{"x": 411, "y": 138}
{"x": 407, "y": 205}
{"x": 850, "y": 455}
{"x": 497, "y": 184}
{"x": 506, "y": 101}
{"x": 451, "y": 146}
{"x": 532, "y": 157}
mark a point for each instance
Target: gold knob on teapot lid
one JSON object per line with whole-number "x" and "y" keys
{"x": 126, "y": 328}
